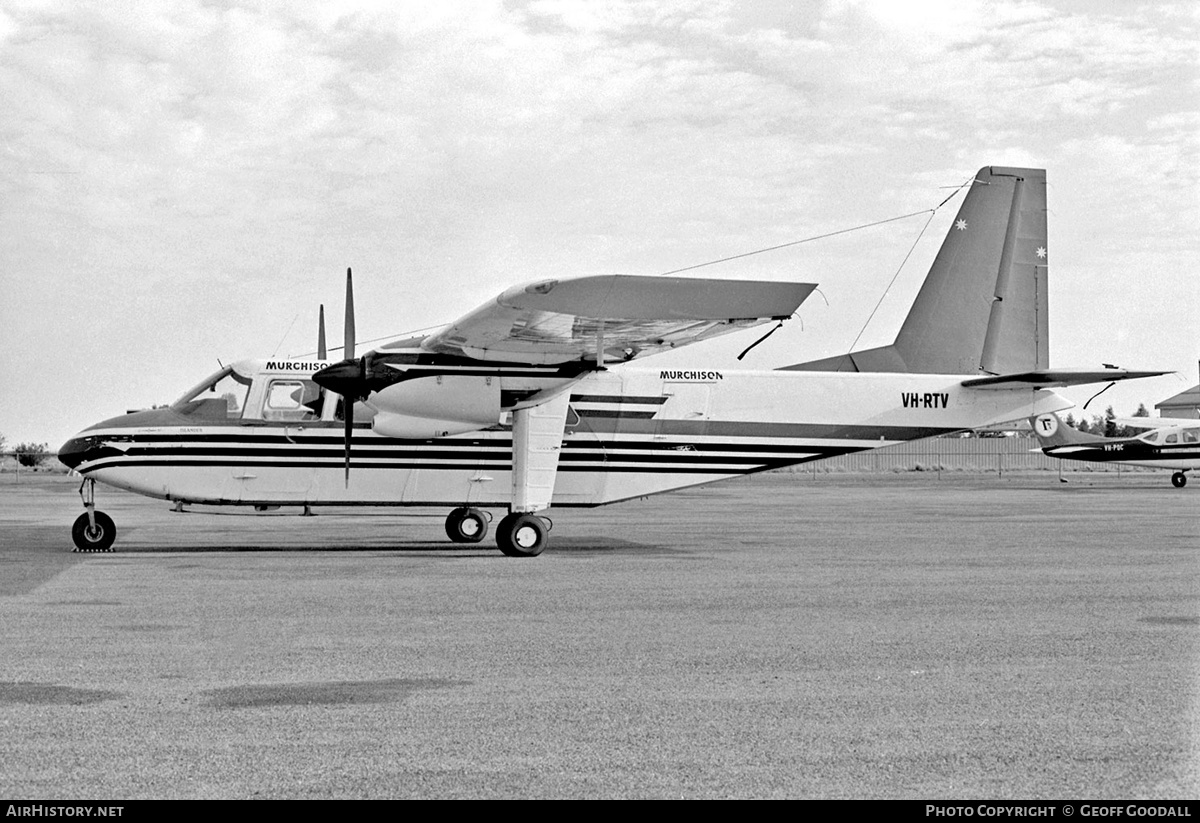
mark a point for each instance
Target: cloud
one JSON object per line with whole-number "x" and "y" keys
{"x": 182, "y": 179}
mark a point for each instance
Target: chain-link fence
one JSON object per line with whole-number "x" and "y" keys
{"x": 959, "y": 454}
{"x": 14, "y": 464}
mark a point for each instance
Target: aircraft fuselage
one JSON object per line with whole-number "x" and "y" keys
{"x": 630, "y": 432}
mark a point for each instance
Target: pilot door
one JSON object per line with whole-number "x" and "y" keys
{"x": 283, "y": 408}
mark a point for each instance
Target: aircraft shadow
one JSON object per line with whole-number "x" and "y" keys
{"x": 573, "y": 546}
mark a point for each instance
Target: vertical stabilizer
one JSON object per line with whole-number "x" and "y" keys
{"x": 1052, "y": 431}
{"x": 983, "y": 308}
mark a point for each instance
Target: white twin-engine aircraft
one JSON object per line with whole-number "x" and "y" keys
{"x": 538, "y": 398}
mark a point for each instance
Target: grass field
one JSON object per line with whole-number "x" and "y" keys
{"x": 887, "y": 636}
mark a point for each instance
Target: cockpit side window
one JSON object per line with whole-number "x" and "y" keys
{"x": 1191, "y": 435}
{"x": 292, "y": 400}
{"x": 220, "y": 395}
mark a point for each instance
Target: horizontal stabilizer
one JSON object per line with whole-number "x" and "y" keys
{"x": 1056, "y": 378}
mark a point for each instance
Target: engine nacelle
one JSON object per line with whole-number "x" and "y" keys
{"x": 436, "y": 406}
{"x": 421, "y": 428}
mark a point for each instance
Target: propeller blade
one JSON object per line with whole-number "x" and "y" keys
{"x": 322, "y": 353}
{"x": 347, "y": 377}
{"x": 349, "y": 352}
{"x": 348, "y": 413}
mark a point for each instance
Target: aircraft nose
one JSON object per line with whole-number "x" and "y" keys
{"x": 84, "y": 448}
{"x": 75, "y": 451}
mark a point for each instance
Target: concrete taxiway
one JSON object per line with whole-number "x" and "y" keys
{"x": 777, "y": 636}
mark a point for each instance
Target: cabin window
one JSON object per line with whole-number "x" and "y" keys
{"x": 1152, "y": 437}
{"x": 291, "y": 400}
{"x": 1191, "y": 435}
{"x": 1172, "y": 438}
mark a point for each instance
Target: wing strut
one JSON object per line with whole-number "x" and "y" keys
{"x": 537, "y": 443}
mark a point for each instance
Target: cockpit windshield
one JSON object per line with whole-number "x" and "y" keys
{"x": 225, "y": 385}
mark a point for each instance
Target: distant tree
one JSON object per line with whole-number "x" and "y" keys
{"x": 3, "y": 440}
{"x": 1070, "y": 421}
{"x": 31, "y": 454}
{"x": 1132, "y": 431}
{"x": 1083, "y": 426}
{"x": 1110, "y": 422}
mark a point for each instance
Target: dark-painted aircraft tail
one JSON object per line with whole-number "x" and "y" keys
{"x": 983, "y": 307}
{"x": 1051, "y": 431}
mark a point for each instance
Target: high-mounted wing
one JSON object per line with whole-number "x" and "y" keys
{"x": 1155, "y": 422}
{"x": 612, "y": 318}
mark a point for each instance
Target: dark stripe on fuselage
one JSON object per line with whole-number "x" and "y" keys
{"x": 1125, "y": 451}
{"x": 356, "y": 464}
{"x": 656, "y": 400}
{"x": 578, "y": 455}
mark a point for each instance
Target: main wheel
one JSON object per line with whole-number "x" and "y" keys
{"x": 521, "y": 535}
{"x": 465, "y": 525}
{"x": 1179, "y": 480}
{"x": 99, "y": 539}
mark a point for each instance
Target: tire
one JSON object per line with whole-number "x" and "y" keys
{"x": 1179, "y": 480}
{"x": 464, "y": 525}
{"x": 99, "y": 540}
{"x": 521, "y": 535}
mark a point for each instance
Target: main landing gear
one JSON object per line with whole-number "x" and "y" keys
{"x": 1179, "y": 480}
{"x": 519, "y": 534}
{"x": 93, "y": 531}
{"x": 467, "y": 525}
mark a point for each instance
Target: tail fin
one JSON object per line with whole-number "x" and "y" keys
{"x": 1051, "y": 431}
{"x": 983, "y": 307}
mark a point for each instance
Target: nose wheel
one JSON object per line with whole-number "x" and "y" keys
{"x": 92, "y": 531}
{"x": 1179, "y": 480}
{"x": 97, "y": 536}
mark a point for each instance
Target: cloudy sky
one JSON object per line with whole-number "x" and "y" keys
{"x": 185, "y": 181}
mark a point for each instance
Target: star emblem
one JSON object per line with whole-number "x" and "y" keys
{"x": 961, "y": 225}
{"x": 1041, "y": 253}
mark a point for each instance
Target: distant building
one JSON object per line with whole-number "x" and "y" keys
{"x": 1184, "y": 404}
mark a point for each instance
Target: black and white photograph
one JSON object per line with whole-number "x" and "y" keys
{"x": 630, "y": 399}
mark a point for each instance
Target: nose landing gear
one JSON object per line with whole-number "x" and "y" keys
{"x": 93, "y": 531}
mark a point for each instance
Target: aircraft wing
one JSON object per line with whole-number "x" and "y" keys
{"x": 1055, "y": 378}
{"x": 1155, "y": 422}
{"x": 623, "y": 316}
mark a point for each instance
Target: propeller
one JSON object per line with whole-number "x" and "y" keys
{"x": 347, "y": 377}
{"x": 322, "y": 354}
